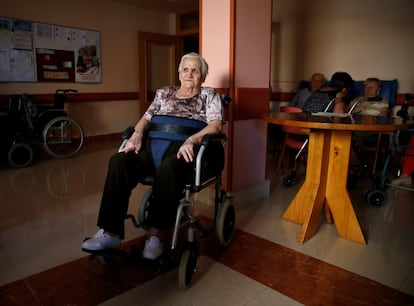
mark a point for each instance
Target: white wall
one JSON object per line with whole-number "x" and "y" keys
{"x": 364, "y": 38}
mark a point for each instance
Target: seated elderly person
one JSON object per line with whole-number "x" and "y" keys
{"x": 370, "y": 103}
{"x": 170, "y": 171}
{"x": 316, "y": 82}
{"x": 336, "y": 93}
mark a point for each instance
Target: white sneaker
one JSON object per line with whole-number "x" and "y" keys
{"x": 101, "y": 241}
{"x": 153, "y": 248}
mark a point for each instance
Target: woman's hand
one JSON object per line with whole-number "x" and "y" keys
{"x": 187, "y": 150}
{"x": 134, "y": 143}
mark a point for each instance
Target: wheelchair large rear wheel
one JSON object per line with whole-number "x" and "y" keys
{"x": 62, "y": 137}
{"x": 225, "y": 222}
{"x": 187, "y": 267}
{"x": 20, "y": 155}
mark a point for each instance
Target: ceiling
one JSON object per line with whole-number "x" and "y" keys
{"x": 170, "y": 6}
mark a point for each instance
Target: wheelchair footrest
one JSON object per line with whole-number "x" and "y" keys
{"x": 104, "y": 253}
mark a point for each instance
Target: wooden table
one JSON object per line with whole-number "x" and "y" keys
{"x": 327, "y": 169}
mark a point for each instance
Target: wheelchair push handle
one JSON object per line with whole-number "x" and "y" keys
{"x": 60, "y": 97}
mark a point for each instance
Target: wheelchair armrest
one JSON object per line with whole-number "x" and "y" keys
{"x": 125, "y": 136}
{"x": 213, "y": 137}
{"x": 205, "y": 142}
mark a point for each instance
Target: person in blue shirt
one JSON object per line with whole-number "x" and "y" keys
{"x": 333, "y": 98}
{"x": 316, "y": 82}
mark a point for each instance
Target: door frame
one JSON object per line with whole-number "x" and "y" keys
{"x": 145, "y": 39}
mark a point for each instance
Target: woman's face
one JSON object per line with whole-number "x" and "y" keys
{"x": 190, "y": 74}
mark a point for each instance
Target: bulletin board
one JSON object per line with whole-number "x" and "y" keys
{"x": 40, "y": 52}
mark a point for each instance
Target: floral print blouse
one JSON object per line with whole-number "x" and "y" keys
{"x": 205, "y": 106}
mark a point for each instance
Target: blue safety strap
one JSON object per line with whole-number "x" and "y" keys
{"x": 165, "y": 129}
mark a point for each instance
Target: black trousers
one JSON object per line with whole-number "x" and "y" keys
{"x": 126, "y": 170}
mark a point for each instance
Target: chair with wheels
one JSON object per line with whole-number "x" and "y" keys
{"x": 295, "y": 139}
{"x": 37, "y": 126}
{"x": 208, "y": 165}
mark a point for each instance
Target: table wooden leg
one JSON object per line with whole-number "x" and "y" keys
{"x": 325, "y": 183}
{"x": 337, "y": 197}
{"x": 307, "y": 205}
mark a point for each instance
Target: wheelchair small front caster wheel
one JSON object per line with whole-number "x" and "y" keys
{"x": 376, "y": 197}
{"x": 20, "y": 155}
{"x": 365, "y": 194}
{"x": 225, "y": 223}
{"x": 187, "y": 267}
{"x": 143, "y": 208}
{"x": 105, "y": 256}
{"x": 288, "y": 180}
{"x": 166, "y": 261}
{"x": 106, "y": 259}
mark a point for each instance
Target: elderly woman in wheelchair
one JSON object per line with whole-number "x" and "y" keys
{"x": 164, "y": 146}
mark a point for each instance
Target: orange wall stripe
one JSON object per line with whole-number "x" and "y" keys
{"x": 251, "y": 102}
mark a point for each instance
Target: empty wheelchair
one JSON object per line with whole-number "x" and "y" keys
{"x": 31, "y": 126}
{"x": 208, "y": 165}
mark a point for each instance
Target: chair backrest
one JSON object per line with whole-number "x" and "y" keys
{"x": 15, "y": 104}
{"x": 290, "y": 109}
{"x": 291, "y": 129}
{"x": 389, "y": 89}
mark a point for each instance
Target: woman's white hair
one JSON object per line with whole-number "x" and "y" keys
{"x": 204, "y": 65}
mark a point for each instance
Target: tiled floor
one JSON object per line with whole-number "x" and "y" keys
{"x": 48, "y": 209}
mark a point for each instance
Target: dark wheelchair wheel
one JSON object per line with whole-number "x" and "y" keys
{"x": 20, "y": 155}
{"x": 376, "y": 197}
{"x": 288, "y": 180}
{"x": 225, "y": 222}
{"x": 106, "y": 259}
{"x": 62, "y": 137}
{"x": 143, "y": 208}
{"x": 365, "y": 194}
{"x": 187, "y": 267}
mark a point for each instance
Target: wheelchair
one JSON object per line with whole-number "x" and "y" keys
{"x": 376, "y": 196}
{"x": 300, "y": 143}
{"x": 28, "y": 127}
{"x": 205, "y": 175}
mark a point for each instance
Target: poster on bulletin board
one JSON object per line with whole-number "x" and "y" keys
{"x": 40, "y": 52}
